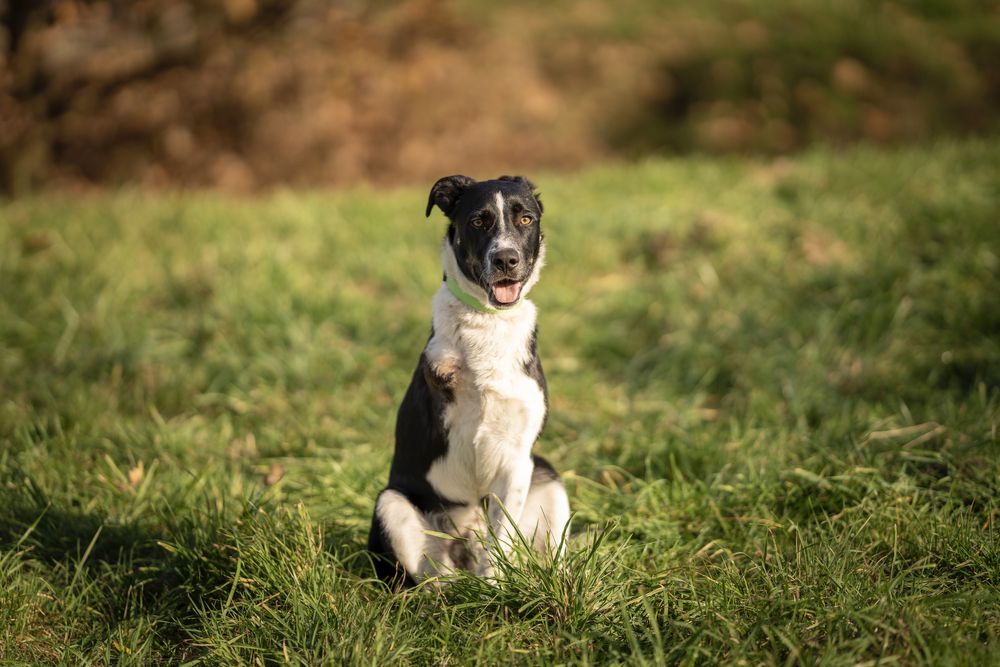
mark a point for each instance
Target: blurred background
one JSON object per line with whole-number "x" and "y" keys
{"x": 246, "y": 95}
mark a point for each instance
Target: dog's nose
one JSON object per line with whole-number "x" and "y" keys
{"x": 506, "y": 259}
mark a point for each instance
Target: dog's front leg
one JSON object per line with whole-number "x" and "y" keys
{"x": 504, "y": 507}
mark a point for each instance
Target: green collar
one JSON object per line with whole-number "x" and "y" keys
{"x": 469, "y": 300}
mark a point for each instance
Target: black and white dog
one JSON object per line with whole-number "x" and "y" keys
{"x": 463, "y": 478}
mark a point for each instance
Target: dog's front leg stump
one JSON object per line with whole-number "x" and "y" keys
{"x": 443, "y": 364}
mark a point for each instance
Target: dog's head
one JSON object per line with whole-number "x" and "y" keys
{"x": 494, "y": 245}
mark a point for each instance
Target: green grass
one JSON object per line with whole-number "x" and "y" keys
{"x": 775, "y": 393}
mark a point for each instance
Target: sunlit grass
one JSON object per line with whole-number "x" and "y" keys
{"x": 774, "y": 397}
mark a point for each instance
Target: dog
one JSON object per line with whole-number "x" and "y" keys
{"x": 463, "y": 482}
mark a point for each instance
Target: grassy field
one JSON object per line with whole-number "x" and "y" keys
{"x": 775, "y": 393}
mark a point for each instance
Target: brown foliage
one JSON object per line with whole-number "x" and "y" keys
{"x": 248, "y": 94}
{"x": 252, "y": 93}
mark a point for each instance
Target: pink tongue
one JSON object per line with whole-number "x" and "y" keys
{"x": 507, "y": 293}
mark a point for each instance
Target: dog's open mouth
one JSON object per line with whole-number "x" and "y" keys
{"x": 505, "y": 292}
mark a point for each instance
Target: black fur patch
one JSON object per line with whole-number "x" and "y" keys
{"x": 421, "y": 439}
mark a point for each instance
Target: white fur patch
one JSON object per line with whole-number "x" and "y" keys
{"x": 504, "y": 238}
{"x": 501, "y": 220}
{"x": 498, "y": 409}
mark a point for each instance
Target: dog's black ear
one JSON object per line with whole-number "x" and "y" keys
{"x": 528, "y": 184}
{"x": 446, "y": 193}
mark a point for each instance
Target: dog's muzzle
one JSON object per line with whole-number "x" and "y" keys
{"x": 504, "y": 280}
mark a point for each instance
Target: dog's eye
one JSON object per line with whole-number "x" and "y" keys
{"x": 477, "y": 222}
{"x": 526, "y": 220}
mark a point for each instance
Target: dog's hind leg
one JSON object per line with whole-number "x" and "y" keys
{"x": 545, "y": 518}
{"x": 405, "y": 532}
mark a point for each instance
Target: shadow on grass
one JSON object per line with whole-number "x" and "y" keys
{"x": 171, "y": 565}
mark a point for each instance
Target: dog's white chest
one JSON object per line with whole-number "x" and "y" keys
{"x": 498, "y": 409}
